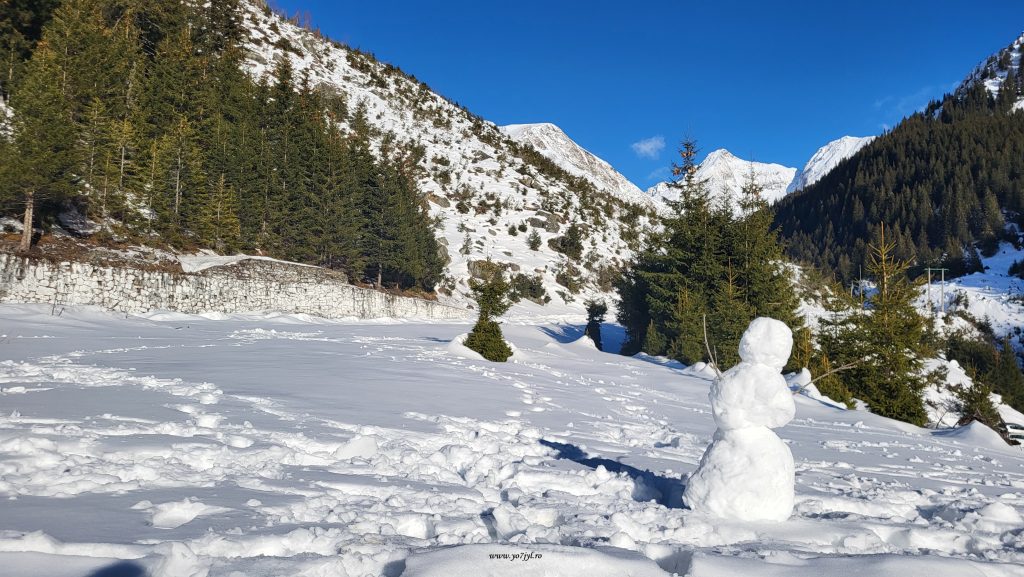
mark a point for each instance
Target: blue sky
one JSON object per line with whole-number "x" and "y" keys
{"x": 770, "y": 81}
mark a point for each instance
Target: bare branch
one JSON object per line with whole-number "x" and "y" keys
{"x": 839, "y": 369}
{"x": 711, "y": 356}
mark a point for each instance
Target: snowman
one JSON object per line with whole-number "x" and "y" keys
{"x": 747, "y": 472}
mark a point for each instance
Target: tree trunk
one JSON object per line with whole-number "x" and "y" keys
{"x": 26, "y": 233}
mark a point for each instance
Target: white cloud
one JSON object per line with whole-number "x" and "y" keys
{"x": 649, "y": 147}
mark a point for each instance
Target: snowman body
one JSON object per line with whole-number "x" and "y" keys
{"x": 747, "y": 472}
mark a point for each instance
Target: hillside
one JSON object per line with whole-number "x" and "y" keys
{"x": 996, "y": 71}
{"x": 556, "y": 145}
{"x": 487, "y": 190}
{"x": 946, "y": 181}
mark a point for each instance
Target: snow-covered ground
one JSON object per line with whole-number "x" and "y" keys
{"x": 991, "y": 296}
{"x": 281, "y": 445}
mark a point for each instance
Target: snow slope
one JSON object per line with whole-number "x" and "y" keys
{"x": 991, "y": 296}
{"x": 555, "y": 144}
{"x": 260, "y": 446}
{"x": 725, "y": 175}
{"x": 467, "y": 162}
{"x": 826, "y": 158}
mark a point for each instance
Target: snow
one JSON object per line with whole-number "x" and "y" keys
{"x": 726, "y": 174}
{"x": 6, "y": 116}
{"x": 747, "y": 473}
{"x": 766, "y": 342}
{"x": 182, "y": 445}
{"x": 204, "y": 260}
{"x": 537, "y": 561}
{"x": 827, "y": 158}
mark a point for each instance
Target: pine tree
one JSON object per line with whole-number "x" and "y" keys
{"x": 40, "y": 159}
{"x": 533, "y": 240}
{"x": 21, "y": 27}
{"x": 883, "y": 343}
{"x": 491, "y": 296}
{"x": 974, "y": 403}
{"x": 706, "y": 276}
{"x": 596, "y": 311}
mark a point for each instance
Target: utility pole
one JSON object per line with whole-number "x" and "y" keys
{"x": 942, "y": 289}
{"x": 860, "y": 285}
{"x": 931, "y": 310}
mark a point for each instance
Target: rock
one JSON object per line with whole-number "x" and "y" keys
{"x": 439, "y": 201}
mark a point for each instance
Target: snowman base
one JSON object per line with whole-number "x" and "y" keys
{"x": 746, "y": 475}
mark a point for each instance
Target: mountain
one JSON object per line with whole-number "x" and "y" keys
{"x": 554, "y": 143}
{"x": 947, "y": 183}
{"x": 488, "y": 188}
{"x": 725, "y": 175}
{"x": 995, "y": 70}
{"x": 827, "y": 158}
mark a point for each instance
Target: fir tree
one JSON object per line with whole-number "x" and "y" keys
{"x": 706, "y": 276}
{"x": 533, "y": 240}
{"x": 38, "y": 167}
{"x": 491, "y": 296}
{"x": 884, "y": 344}
{"x": 596, "y": 311}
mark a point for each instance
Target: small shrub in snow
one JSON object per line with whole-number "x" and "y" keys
{"x": 492, "y": 300}
{"x": 596, "y": 311}
{"x": 486, "y": 339}
{"x": 1017, "y": 269}
{"x": 533, "y": 241}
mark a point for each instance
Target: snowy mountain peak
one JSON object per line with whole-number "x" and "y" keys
{"x": 719, "y": 155}
{"x": 826, "y": 158}
{"x": 555, "y": 144}
{"x": 726, "y": 173}
{"x": 996, "y": 68}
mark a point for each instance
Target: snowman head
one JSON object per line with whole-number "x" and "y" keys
{"x": 767, "y": 342}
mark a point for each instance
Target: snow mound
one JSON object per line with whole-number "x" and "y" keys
{"x": 177, "y": 513}
{"x": 975, "y": 433}
{"x": 746, "y": 474}
{"x": 751, "y": 395}
{"x": 535, "y": 561}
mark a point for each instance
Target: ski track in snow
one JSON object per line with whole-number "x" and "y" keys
{"x": 200, "y": 447}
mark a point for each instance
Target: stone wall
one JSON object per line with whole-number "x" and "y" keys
{"x": 247, "y": 286}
